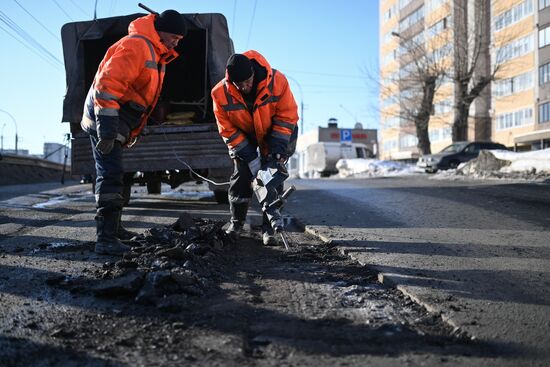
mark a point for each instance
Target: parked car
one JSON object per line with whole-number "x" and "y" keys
{"x": 454, "y": 154}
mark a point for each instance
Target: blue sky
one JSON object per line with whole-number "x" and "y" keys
{"x": 327, "y": 47}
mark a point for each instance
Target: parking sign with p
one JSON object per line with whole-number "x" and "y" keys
{"x": 345, "y": 136}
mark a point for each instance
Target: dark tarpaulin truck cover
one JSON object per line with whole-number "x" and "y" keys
{"x": 160, "y": 153}
{"x": 75, "y": 35}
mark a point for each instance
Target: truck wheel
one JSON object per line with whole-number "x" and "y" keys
{"x": 127, "y": 193}
{"x": 128, "y": 181}
{"x": 221, "y": 197}
{"x": 154, "y": 187}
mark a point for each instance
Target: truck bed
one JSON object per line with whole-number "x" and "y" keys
{"x": 199, "y": 145}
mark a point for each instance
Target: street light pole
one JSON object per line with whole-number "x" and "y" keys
{"x": 2, "y": 138}
{"x": 15, "y": 124}
{"x": 301, "y": 104}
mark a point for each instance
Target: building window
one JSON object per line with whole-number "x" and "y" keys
{"x": 443, "y": 133}
{"x": 439, "y": 27}
{"x": 434, "y": 4}
{"x": 543, "y": 4}
{"x": 514, "y": 119}
{"x": 390, "y": 145}
{"x": 408, "y": 141}
{"x": 413, "y": 45}
{"x": 443, "y": 107}
{"x": 514, "y": 15}
{"x": 413, "y": 18}
{"x": 390, "y": 13}
{"x": 389, "y": 101}
{"x": 403, "y": 3}
{"x": 544, "y": 73}
{"x": 544, "y": 112}
{"x": 513, "y": 85}
{"x": 544, "y": 37}
{"x": 390, "y": 122}
{"x": 514, "y": 49}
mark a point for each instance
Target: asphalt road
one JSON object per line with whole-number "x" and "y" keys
{"x": 476, "y": 252}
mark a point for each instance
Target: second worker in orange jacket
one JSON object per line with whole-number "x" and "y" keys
{"x": 256, "y": 115}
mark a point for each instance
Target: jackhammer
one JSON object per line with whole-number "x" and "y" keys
{"x": 266, "y": 184}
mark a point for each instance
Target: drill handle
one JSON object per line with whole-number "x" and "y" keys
{"x": 281, "y": 199}
{"x": 147, "y": 8}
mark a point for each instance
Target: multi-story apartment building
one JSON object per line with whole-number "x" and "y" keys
{"x": 513, "y": 110}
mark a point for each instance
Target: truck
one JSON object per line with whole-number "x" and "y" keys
{"x": 319, "y": 159}
{"x": 181, "y": 138}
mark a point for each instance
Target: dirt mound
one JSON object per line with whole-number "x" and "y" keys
{"x": 166, "y": 266}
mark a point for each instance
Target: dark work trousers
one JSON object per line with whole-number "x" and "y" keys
{"x": 109, "y": 177}
{"x": 240, "y": 191}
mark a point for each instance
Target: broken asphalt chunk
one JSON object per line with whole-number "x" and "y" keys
{"x": 125, "y": 285}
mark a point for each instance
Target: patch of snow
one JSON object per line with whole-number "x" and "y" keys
{"x": 490, "y": 164}
{"x": 55, "y": 201}
{"x": 361, "y": 167}
{"x": 503, "y": 164}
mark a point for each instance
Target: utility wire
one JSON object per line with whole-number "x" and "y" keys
{"x": 234, "y": 16}
{"x": 29, "y": 39}
{"x": 251, "y": 23}
{"x": 28, "y": 47}
{"x": 21, "y": 33}
{"x": 63, "y": 10}
{"x": 327, "y": 74}
{"x": 79, "y": 8}
{"x": 37, "y": 21}
{"x": 112, "y": 7}
{"x": 333, "y": 86}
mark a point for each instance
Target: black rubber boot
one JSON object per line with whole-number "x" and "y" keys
{"x": 107, "y": 221}
{"x": 238, "y": 217}
{"x": 123, "y": 234}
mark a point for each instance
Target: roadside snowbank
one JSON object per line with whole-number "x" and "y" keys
{"x": 360, "y": 167}
{"x": 490, "y": 164}
{"x": 504, "y": 164}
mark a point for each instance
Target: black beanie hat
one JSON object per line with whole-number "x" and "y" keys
{"x": 170, "y": 21}
{"x": 239, "y": 68}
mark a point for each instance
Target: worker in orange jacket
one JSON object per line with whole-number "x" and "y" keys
{"x": 255, "y": 111}
{"x": 125, "y": 90}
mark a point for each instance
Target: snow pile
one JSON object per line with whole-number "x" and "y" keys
{"x": 532, "y": 165}
{"x": 360, "y": 167}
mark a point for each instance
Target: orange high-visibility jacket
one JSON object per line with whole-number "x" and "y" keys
{"x": 274, "y": 114}
{"x": 131, "y": 71}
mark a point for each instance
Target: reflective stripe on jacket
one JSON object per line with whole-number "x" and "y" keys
{"x": 130, "y": 75}
{"x": 275, "y": 113}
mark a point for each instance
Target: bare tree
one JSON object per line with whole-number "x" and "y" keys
{"x": 473, "y": 69}
{"x": 423, "y": 65}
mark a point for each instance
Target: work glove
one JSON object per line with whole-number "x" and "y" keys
{"x": 104, "y": 146}
{"x": 278, "y": 157}
{"x": 255, "y": 166}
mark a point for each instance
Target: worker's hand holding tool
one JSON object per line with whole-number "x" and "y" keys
{"x": 255, "y": 166}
